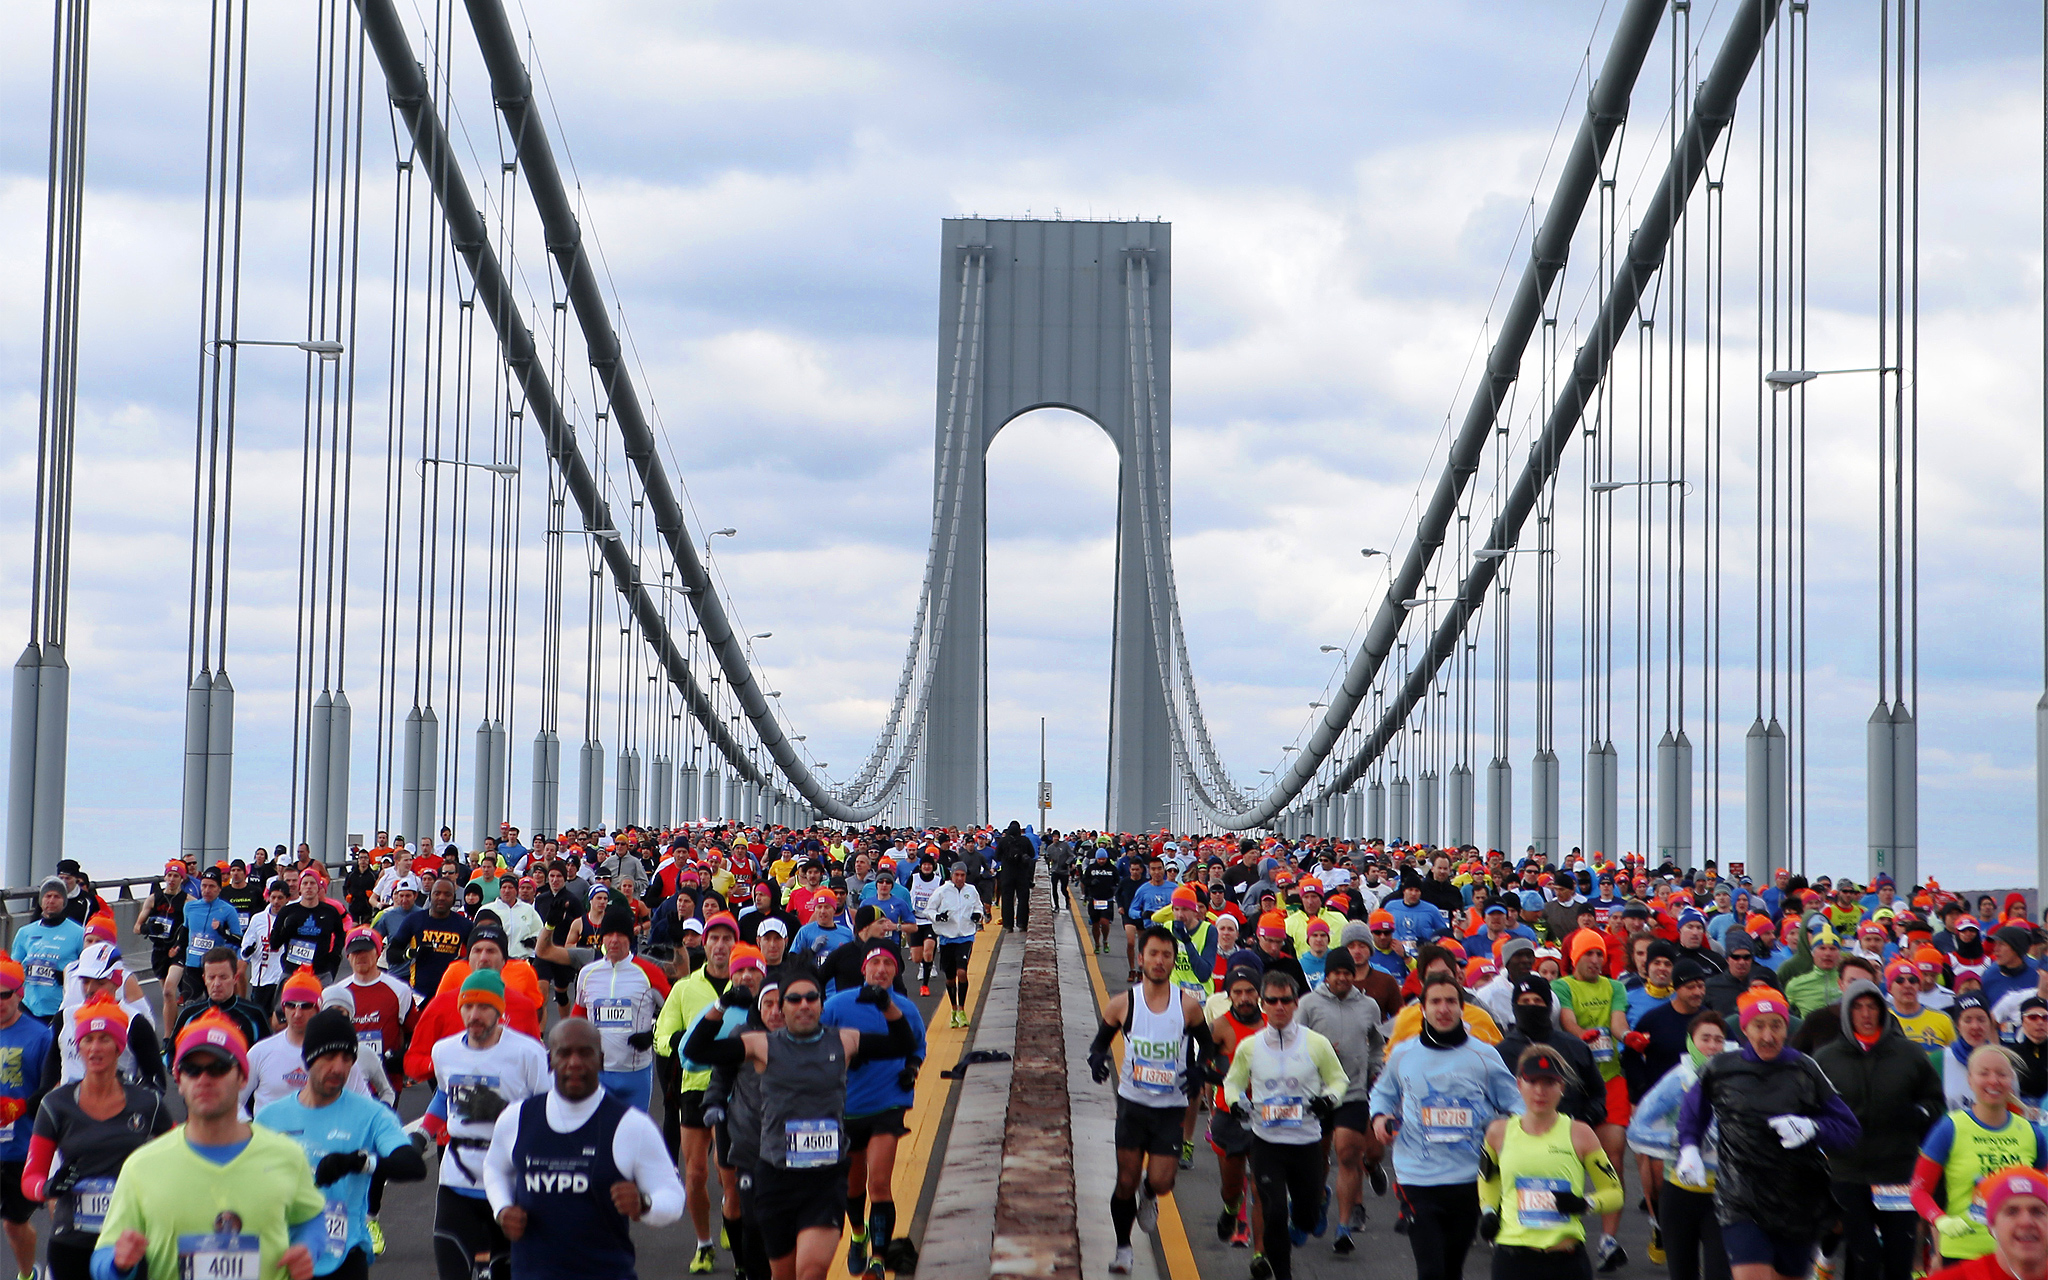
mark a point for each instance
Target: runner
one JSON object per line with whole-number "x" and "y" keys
{"x": 879, "y": 1093}
{"x": 379, "y": 1005}
{"x": 92, "y": 1124}
{"x": 426, "y": 942}
{"x": 1240, "y": 1224}
{"x": 264, "y": 972}
{"x": 101, "y": 976}
{"x": 1539, "y": 1173}
{"x": 684, "y": 1003}
{"x": 277, "y": 1066}
{"x": 215, "y": 1196}
{"x": 477, "y": 1075}
{"x": 348, "y": 1139}
{"x": 957, "y": 911}
{"x": 1098, "y": 887}
{"x": 616, "y": 996}
{"x": 43, "y": 949}
{"x": 162, "y": 921}
{"x": 217, "y": 983}
{"x": 2015, "y": 1203}
{"x": 1594, "y": 1007}
{"x": 925, "y": 884}
{"x": 1431, "y": 1106}
{"x": 1284, "y": 1084}
{"x": 800, "y": 1184}
{"x": 1166, "y": 1044}
{"x": 1349, "y": 1019}
{"x": 568, "y": 1170}
{"x": 1966, "y": 1142}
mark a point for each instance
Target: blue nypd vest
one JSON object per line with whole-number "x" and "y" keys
{"x": 564, "y": 1182}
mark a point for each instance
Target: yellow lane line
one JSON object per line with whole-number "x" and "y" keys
{"x": 1173, "y": 1236}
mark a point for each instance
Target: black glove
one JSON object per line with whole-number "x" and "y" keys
{"x": 1489, "y": 1226}
{"x": 906, "y": 1079}
{"x": 714, "y": 1114}
{"x": 640, "y": 1041}
{"x": 944, "y": 917}
{"x": 736, "y": 996}
{"x": 876, "y": 996}
{"x": 1098, "y": 1066}
{"x": 675, "y": 1041}
{"x": 336, "y": 1165}
{"x": 482, "y": 1105}
{"x": 61, "y": 1181}
{"x": 1323, "y": 1106}
{"x": 560, "y": 912}
{"x": 420, "y": 1141}
{"x": 1569, "y": 1203}
{"x": 1241, "y": 1111}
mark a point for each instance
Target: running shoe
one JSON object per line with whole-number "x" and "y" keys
{"x": 1261, "y": 1269}
{"x": 1323, "y": 1216}
{"x": 1296, "y": 1235}
{"x": 1226, "y": 1225}
{"x": 1343, "y": 1245}
{"x": 857, "y": 1255}
{"x": 1242, "y": 1237}
{"x": 1187, "y": 1154}
{"x": 1376, "y": 1173}
{"x": 706, "y": 1259}
{"x": 876, "y": 1269}
{"x": 1656, "y": 1244}
{"x": 377, "y": 1236}
{"x": 1612, "y": 1256}
{"x": 924, "y": 988}
{"x": 1356, "y": 1222}
{"x": 1148, "y": 1210}
{"x": 1124, "y": 1260}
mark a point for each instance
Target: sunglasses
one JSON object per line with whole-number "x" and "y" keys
{"x": 299, "y": 1004}
{"x": 211, "y": 1067}
{"x": 801, "y": 998}
{"x": 1276, "y": 999}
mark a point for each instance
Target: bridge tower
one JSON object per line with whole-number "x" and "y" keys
{"x": 1036, "y": 315}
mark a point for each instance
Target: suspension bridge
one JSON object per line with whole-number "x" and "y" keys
{"x": 1630, "y": 450}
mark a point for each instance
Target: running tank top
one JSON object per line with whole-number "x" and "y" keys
{"x": 803, "y": 1101}
{"x": 1234, "y": 1034}
{"x": 1976, "y": 1153}
{"x": 1534, "y": 1167}
{"x": 565, "y": 1181}
{"x": 1154, "y": 1053}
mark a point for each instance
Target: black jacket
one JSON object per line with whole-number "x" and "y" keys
{"x": 1895, "y": 1093}
{"x": 1017, "y": 858}
{"x": 1443, "y": 895}
{"x": 1586, "y": 1100}
{"x": 1723, "y": 989}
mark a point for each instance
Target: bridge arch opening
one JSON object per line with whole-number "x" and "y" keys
{"x": 1052, "y": 477}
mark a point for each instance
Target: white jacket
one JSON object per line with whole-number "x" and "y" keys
{"x": 953, "y": 911}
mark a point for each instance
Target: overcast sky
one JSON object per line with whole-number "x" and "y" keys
{"x": 1349, "y": 186}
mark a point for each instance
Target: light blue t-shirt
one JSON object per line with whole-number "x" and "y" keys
{"x": 351, "y": 1122}
{"x": 1443, "y": 1099}
{"x": 43, "y": 950}
{"x": 818, "y": 943}
{"x": 208, "y": 925}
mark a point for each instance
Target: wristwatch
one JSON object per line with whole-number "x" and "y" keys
{"x": 646, "y": 1204}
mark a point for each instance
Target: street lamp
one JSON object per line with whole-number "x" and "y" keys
{"x": 495, "y": 468}
{"x": 762, "y": 635}
{"x": 1609, "y": 486}
{"x": 1418, "y": 603}
{"x": 1497, "y": 553}
{"x": 1786, "y": 379}
{"x": 324, "y": 348}
{"x": 1370, "y": 552}
{"x": 603, "y": 535}
{"x": 719, "y": 533}
{"x": 1317, "y": 705}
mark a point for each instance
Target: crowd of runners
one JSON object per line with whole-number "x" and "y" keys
{"x": 1802, "y": 1078}
{"x": 1806, "y": 1078}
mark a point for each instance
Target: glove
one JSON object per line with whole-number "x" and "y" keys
{"x": 12, "y": 1109}
{"x": 482, "y": 1105}
{"x": 1098, "y": 1066}
{"x": 944, "y": 917}
{"x": 675, "y": 1042}
{"x": 1569, "y": 1203}
{"x": 640, "y": 1041}
{"x": 1636, "y": 1040}
{"x": 1952, "y": 1225}
{"x": 420, "y": 1141}
{"x": 61, "y": 1181}
{"x": 876, "y": 996}
{"x": 1793, "y": 1131}
{"x": 736, "y": 996}
{"x": 336, "y": 1165}
{"x": 1590, "y": 1035}
{"x": 1489, "y": 1226}
{"x": 1692, "y": 1169}
{"x": 906, "y": 1079}
{"x": 1241, "y": 1111}
{"x": 1324, "y": 1107}
{"x": 714, "y": 1114}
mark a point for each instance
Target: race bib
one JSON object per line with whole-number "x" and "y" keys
{"x": 612, "y": 1014}
{"x": 40, "y": 969}
{"x": 299, "y": 951}
{"x": 1603, "y": 1048}
{"x": 1101, "y": 905}
{"x": 334, "y": 1222}
{"x": 89, "y": 1200}
{"x": 1892, "y": 1197}
{"x": 813, "y": 1144}
{"x": 1446, "y": 1124}
{"x": 218, "y": 1256}
{"x": 373, "y": 1037}
{"x": 1536, "y": 1201}
{"x": 1151, "y": 1077}
{"x": 1285, "y": 1113}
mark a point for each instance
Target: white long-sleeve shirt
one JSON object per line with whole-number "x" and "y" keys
{"x": 953, "y": 911}
{"x": 637, "y": 1149}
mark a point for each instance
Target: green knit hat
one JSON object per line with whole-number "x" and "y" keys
{"x": 484, "y": 986}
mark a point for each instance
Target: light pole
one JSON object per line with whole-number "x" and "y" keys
{"x": 324, "y": 348}
{"x": 495, "y": 468}
{"x": 1786, "y": 379}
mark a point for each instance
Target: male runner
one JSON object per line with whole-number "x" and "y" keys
{"x": 684, "y": 1003}
{"x": 1237, "y": 1225}
{"x": 1594, "y": 1007}
{"x": 1166, "y": 1041}
{"x": 924, "y": 884}
{"x": 957, "y": 911}
{"x": 615, "y": 994}
{"x": 277, "y": 1065}
{"x": 879, "y": 1094}
{"x": 1349, "y": 1019}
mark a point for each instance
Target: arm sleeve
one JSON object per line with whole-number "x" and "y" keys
{"x": 642, "y": 1157}
{"x": 1695, "y": 1113}
{"x": 498, "y": 1186}
{"x": 704, "y": 1048}
{"x": 1239, "y": 1076}
{"x": 1385, "y": 1098}
{"x": 1104, "y": 1035}
{"x": 898, "y": 1043}
{"x": 671, "y": 1021}
{"x": 1927, "y": 1179}
{"x": 1602, "y": 1185}
{"x": 36, "y": 1173}
{"x": 148, "y": 1049}
{"x": 1838, "y": 1128}
{"x": 1489, "y": 1178}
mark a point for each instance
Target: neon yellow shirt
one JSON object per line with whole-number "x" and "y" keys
{"x": 168, "y": 1191}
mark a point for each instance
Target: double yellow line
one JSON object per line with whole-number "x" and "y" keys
{"x": 1173, "y": 1236}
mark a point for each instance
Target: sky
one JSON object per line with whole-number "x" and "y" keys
{"x": 1351, "y": 188}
